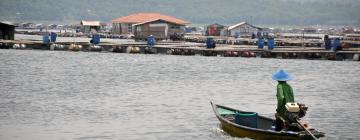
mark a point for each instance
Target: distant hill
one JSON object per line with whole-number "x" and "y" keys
{"x": 296, "y": 12}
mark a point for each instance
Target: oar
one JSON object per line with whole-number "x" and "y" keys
{"x": 312, "y": 135}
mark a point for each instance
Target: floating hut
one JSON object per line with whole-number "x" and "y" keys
{"x": 348, "y": 30}
{"x": 7, "y": 31}
{"x": 159, "y": 28}
{"x": 215, "y": 30}
{"x": 124, "y": 25}
{"x": 243, "y": 28}
{"x": 88, "y": 26}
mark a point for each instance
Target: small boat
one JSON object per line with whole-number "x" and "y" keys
{"x": 251, "y": 125}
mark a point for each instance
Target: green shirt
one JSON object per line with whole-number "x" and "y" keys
{"x": 284, "y": 95}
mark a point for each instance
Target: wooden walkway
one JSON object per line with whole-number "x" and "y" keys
{"x": 191, "y": 48}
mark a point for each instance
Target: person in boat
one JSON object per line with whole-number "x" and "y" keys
{"x": 284, "y": 95}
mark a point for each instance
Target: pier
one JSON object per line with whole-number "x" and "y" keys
{"x": 246, "y": 48}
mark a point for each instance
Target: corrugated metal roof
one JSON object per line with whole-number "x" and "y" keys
{"x": 144, "y": 17}
{"x": 241, "y": 24}
{"x": 90, "y": 23}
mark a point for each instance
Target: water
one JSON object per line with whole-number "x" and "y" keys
{"x": 64, "y": 95}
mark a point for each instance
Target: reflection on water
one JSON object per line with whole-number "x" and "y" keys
{"x": 81, "y": 95}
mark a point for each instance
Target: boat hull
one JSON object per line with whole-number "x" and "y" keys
{"x": 239, "y": 132}
{"x": 262, "y": 132}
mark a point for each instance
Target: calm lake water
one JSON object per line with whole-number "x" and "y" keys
{"x": 64, "y": 95}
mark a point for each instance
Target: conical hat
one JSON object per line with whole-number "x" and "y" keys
{"x": 282, "y": 75}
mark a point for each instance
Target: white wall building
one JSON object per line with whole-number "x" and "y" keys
{"x": 243, "y": 28}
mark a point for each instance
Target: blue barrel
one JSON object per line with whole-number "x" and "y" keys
{"x": 53, "y": 36}
{"x": 210, "y": 42}
{"x": 96, "y": 39}
{"x": 271, "y": 43}
{"x": 327, "y": 42}
{"x": 46, "y": 39}
{"x": 260, "y": 43}
{"x": 151, "y": 41}
{"x": 188, "y": 30}
{"x": 336, "y": 44}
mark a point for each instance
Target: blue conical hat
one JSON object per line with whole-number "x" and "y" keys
{"x": 281, "y": 75}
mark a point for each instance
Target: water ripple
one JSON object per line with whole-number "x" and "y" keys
{"x": 80, "y": 95}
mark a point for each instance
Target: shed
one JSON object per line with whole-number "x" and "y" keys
{"x": 214, "y": 29}
{"x": 123, "y": 25}
{"x": 88, "y": 26}
{"x": 243, "y": 28}
{"x": 7, "y": 31}
{"x": 159, "y": 28}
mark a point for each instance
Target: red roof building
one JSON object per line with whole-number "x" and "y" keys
{"x": 123, "y": 25}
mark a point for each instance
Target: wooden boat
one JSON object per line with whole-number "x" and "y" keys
{"x": 255, "y": 126}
